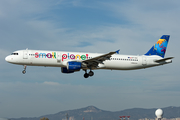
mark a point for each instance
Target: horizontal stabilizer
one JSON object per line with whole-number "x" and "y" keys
{"x": 164, "y": 59}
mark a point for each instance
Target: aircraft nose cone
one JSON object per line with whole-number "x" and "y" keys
{"x": 7, "y": 59}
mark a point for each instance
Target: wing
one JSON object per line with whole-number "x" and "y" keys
{"x": 93, "y": 62}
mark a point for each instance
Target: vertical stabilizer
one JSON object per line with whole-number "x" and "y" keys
{"x": 159, "y": 48}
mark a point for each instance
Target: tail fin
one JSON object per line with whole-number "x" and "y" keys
{"x": 159, "y": 48}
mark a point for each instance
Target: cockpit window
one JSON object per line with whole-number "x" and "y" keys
{"x": 14, "y": 54}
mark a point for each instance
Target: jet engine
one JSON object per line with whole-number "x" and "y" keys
{"x": 74, "y": 66}
{"x": 65, "y": 70}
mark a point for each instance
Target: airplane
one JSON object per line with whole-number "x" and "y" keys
{"x": 71, "y": 62}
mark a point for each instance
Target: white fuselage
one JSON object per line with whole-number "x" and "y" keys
{"x": 60, "y": 59}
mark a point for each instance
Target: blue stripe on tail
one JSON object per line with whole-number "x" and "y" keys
{"x": 159, "y": 48}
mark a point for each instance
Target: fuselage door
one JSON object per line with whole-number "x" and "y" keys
{"x": 25, "y": 54}
{"x": 144, "y": 60}
{"x": 58, "y": 57}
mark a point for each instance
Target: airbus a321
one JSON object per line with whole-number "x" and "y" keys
{"x": 71, "y": 62}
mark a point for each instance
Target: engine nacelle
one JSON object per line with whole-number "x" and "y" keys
{"x": 74, "y": 66}
{"x": 65, "y": 70}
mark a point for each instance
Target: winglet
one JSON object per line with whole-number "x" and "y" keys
{"x": 117, "y": 51}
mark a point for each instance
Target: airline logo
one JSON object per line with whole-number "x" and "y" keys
{"x": 48, "y": 55}
{"x": 74, "y": 57}
{"x": 64, "y": 56}
{"x": 132, "y": 57}
{"x": 160, "y": 47}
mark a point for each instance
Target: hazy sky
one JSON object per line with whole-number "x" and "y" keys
{"x": 88, "y": 26}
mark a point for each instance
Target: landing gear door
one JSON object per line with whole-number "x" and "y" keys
{"x": 25, "y": 54}
{"x": 144, "y": 61}
{"x": 58, "y": 57}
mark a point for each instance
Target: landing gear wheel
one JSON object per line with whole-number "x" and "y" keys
{"x": 86, "y": 75}
{"x": 23, "y": 71}
{"x": 91, "y": 73}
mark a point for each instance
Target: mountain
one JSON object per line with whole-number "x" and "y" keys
{"x": 93, "y": 113}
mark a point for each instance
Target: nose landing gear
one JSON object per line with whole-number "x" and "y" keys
{"x": 24, "y": 71}
{"x": 86, "y": 75}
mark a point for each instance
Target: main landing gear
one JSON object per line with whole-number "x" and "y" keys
{"x": 24, "y": 71}
{"x": 86, "y": 75}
